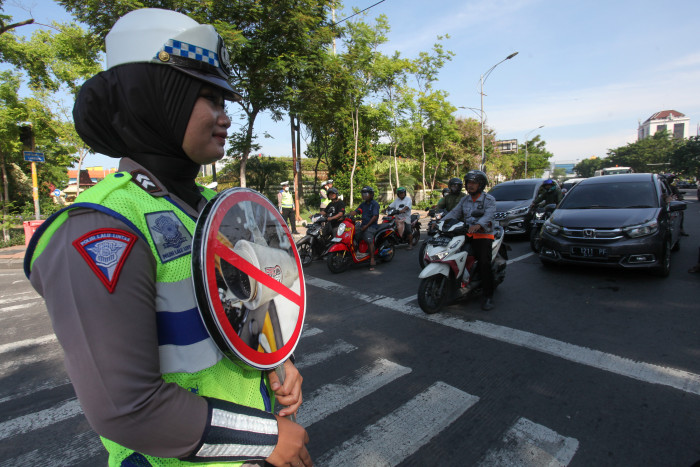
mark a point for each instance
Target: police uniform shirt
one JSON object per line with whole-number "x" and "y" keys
{"x": 479, "y": 211}
{"x": 112, "y": 338}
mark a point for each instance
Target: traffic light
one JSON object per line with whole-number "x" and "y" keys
{"x": 26, "y": 136}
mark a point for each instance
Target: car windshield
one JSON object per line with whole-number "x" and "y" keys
{"x": 513, "y": 192}
{"x": 619, "y": 195}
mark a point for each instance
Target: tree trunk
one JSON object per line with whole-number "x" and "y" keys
{"x": 432, "y": 184}
{"x": 5, "y": 199}
{"x": 356, "y": 135}
{"x": 396, "y": 165}
{"x": 248, "y": 140}
{"x": 422, "y": 148}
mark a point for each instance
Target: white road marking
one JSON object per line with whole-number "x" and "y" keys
{"x": 647, "y": 372}
{"x": 528, "y": 444}
{"x": 18, "y": 297}
{"x": 40, "y": 419}
{"x": 26, "y": 389}
{"x": 18, "y": 307}
{"x": 520, "y": 258}
{"x": 325, "y": 353}
{"x": 392, "y": 439}
{"x": 12, "y": 346}
{"x": 308, "y": 331}
{"x": 332, "y": 397}
{"x": 80, "y": 448}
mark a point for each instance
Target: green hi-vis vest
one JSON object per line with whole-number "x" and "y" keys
{"x": 324, "y": 198}
{"x": 188, "y": 355}
{"x": 287, "y": 200}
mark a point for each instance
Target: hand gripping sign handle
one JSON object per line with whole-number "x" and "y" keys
{"x": 279, "y": 371}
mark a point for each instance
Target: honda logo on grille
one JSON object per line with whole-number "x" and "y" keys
{"x": 589, "y": 233}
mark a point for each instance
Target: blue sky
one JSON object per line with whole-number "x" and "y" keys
{"x": 587, "y": 71}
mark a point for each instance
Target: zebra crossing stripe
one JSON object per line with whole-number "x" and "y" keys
{"x": 12, "y": 346}
{"x": 11, "y": 298}
{"x": 17, "y": 307}
{"x": 646, "y": 372}
{"x": 528, "y": 444}
{"x": 333, "y": 397}
{"x": 325, "y": 353}
{"x": 308, "y": 331}
{"x": 41, "y": 419}
{"x": 86, "y": 445}
{"x": 401, "y": 433}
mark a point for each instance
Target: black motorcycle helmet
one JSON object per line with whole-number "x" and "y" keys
{"x": 477, "y": 176}
{"x": 455, "y": 185}
{"x": 446, "y": 191}
{"x": 368, "y": 190}
{"x": 333, "y": 191}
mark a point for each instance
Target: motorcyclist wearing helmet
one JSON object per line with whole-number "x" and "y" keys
{"x": 549, "y": 192}
{"x": 403, "y": 204}
{"x": 369, "y": 209}
{"x": 477, "y": 211}
{"x": 454, "y": 197}
{"x": 334, "y": 211}
{"x": 445, "y": 192}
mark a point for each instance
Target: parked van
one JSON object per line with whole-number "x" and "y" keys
{"x": 614, "y": 171}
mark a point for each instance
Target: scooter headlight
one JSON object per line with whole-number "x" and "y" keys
{"x": 519, "y": 211}
{"x": 439, "y": 256}
{"x": 341, "y": 230}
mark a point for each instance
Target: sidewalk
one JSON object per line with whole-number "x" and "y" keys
{"x": 12, "y": 257}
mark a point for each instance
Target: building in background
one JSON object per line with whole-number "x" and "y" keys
{"x": 672, "y": 121}
{"x": 89, "y": 176}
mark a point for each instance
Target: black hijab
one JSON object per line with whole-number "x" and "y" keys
{"x": 141, "y": 111}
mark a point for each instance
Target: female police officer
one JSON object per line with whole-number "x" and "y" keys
{"x": 115, "y": 267}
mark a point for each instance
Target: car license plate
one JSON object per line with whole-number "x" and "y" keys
{"x": 589, "y": 252}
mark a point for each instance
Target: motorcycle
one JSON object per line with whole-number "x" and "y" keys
{"x": 435, "y": 216}
{"x": 452, "y": 272}
{"x": 390, "y": 218}
{"x": 343, "y": 252}
{"x": 539, "y": 216}
{"x": 312, "y": 245}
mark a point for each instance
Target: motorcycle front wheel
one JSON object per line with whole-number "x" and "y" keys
{"x": 421, "y": 254}
{"x": 433, "y": 293}
{"x": 338, "y": 262}
{"x": 535, "y": 239}
{"x": 305, "y": 253}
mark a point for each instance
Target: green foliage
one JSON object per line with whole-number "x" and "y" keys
{"x": 587, "y": 167}
{"x": 647, "y": 155}
{"x": 685, "y": 159}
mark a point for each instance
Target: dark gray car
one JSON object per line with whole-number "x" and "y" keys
{"x": 624, "y": 221}
{"x": 513, "y": 199}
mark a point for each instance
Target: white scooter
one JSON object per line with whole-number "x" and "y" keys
{"x": 452, "y": 270}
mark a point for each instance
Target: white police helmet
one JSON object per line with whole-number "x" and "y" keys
{"x": 167, "y": 37}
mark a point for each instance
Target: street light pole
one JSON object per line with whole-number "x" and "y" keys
{"x": 526, "y": 135}
{"x": 481, "y": 81}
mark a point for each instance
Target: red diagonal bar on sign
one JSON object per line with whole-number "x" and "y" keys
{"x": 240, "y": 263}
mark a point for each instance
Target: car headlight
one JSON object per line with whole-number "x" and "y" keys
{"x": 551, "y": 227}
{"x": 642, "y": 230}
{"x": 341, "y": 229}
{"x": 439, "y": 256}
{"x": 519, "y": 211}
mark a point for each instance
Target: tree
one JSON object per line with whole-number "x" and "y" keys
{"x": 587, "y": 167}
{"x": 646, "y": 155}
{"x": 685, "y": 159}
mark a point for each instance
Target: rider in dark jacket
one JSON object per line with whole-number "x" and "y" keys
{"x": 549, "y": 192}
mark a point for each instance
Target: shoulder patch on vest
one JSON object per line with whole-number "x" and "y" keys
{"x": 169, "y": 234}
{"x": 144, "y": 181}
{"x": 105, "y": 251}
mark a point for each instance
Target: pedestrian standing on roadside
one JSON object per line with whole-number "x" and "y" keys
{"x": 285, "y": 202}
{"x": 149, "y": 378}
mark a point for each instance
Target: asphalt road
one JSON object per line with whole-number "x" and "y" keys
{"x": 574, "y": 366}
